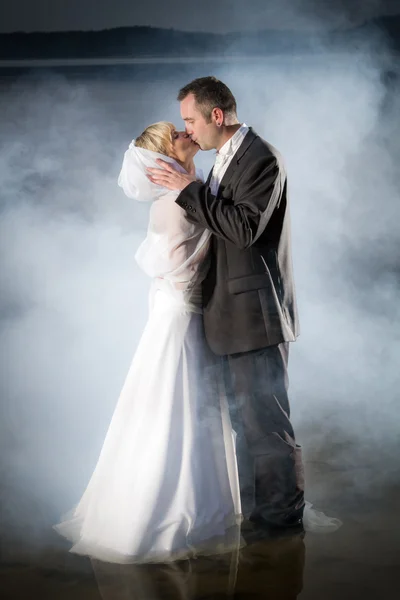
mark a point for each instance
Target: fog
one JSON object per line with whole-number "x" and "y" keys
{"x": 73, "y": 302}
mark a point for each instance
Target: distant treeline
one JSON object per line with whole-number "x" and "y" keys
{"x": 149, "y": 41}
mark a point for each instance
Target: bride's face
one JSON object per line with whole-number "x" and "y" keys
{"x": 183, "y": 148}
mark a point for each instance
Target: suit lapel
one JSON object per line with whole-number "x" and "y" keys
{"x": 244, "y": 146}
{"x": 209, "y": 177}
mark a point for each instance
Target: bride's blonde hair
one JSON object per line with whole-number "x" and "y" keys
{"x": 157, "y": 138}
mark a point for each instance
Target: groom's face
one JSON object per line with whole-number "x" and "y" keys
{"x": 201, "y": 132}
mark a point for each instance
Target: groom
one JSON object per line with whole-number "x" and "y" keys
{"x": 250, "y": 311}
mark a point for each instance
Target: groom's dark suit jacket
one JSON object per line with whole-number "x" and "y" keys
{"x": 248, "y": 294}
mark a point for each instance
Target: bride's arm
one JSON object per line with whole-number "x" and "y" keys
{"x": 174, "y": 247}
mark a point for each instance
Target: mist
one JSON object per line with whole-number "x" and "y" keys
{"x": 74, "y": 303}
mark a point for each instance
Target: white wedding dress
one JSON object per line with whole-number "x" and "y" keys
{"x": 166, "y": 484}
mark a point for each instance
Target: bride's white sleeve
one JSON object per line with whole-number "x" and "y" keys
{"x": 174, "y": 249}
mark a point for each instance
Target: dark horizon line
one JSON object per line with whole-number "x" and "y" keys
{"x": 212, "y": 33}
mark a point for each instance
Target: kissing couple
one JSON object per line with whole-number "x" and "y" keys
{"x": 200, "y": 454}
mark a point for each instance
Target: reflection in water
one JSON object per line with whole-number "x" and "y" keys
{"x": 270, "y": 569}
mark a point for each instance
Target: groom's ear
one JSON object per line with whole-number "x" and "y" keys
{"x": 217, "y": 115}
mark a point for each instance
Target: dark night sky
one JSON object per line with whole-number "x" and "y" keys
{"x": 203, "y": 15}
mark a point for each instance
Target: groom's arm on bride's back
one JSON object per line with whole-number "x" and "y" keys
{"x": 237, "y": 219}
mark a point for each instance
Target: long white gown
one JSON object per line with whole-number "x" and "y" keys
{"x": 166, "y": 484}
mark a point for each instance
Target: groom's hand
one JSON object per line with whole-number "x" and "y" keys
{"x": 169, "y": 177}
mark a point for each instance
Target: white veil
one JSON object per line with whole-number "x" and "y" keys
{"x": 133, "y": 176}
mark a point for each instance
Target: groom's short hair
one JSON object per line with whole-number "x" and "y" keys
{"x": 209, "y": 93}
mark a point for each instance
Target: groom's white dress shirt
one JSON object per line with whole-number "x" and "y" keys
{"x": 224, "y": 157}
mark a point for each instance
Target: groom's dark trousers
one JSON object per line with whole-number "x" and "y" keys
{"x": 250, "y": 316}
{"x": 269, "y": 460}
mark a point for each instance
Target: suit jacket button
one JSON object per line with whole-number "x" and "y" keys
{"x": 194, "y": 210}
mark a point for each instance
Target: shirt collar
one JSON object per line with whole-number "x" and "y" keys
{"x": 230, "y": 146}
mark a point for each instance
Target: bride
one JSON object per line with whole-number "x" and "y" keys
{"x": 165, "y": 486}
